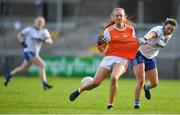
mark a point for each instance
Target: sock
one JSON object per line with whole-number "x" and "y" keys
{"x": 147, "y": 86}
{"x": 79, "y": 90}
{"x": 110, "y": 105}
{"x": 44, "y": 83}
{"x": 137, "y": 102}
{"x": 9, "y": 76}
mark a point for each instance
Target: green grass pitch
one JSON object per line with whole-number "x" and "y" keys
{"x": 25, "y": 95}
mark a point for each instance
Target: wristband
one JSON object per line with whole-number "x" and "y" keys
{"x": 23, "y": 44}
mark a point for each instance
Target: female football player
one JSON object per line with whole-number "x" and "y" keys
{"x": 144, "y": 63}
{"x": 119, "y": 37}
{"x": 31, "y": 38}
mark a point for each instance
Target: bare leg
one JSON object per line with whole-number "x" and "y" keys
{"x": 99, "y": 77}
{"x": 118, "y": 70}
{"x": 153, "y": 78}
{"x": 140, "y": 77}
{"x": 42, "y": 74}
{"x": 41, "y": 66}
{"x": 25, "y": 65}
{"x": 17, "y": 70}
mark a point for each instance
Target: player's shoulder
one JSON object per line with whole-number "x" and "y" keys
{"x": 129, "y": 27}
{"x": 111, "y": 27}
{"x": 157, "y": 27}
{"x": 28, "y": 27}
{"x": 45, "y": 30}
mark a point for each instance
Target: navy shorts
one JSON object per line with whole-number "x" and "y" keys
{"x": 28, "y": 55}
{"x": 149, "y": 63}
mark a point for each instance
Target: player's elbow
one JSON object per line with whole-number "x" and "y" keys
{"x": 20, "y": 37}
{"x": 49, "y": 41}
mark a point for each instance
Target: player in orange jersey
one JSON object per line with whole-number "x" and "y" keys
{"x": 122, "y": 46}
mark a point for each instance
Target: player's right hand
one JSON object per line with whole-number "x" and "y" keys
{"x": 101, "y": 40}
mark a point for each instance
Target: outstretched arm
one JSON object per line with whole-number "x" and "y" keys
{"x": 151, "y": 35}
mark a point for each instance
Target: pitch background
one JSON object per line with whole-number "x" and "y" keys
{"x": 25, "y": 95}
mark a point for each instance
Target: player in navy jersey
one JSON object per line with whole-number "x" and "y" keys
{"x": 32, "y": 38}
{"x": 144, "y": 63}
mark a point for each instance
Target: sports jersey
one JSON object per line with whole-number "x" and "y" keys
{"x": 122, "y": 42}
{"x": 151, "y": 49}
{"x": 34, "y": 38}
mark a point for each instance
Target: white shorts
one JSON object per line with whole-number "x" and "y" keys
{"x": 108, "y": 62}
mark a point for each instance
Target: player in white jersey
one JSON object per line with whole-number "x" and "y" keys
{"x": 31, "y": 39}
{"x": 144, "y": 63}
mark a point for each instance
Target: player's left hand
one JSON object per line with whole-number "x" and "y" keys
{"x": 142, "y": 40}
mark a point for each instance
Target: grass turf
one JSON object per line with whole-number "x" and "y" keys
{"x": 25, "y": 95}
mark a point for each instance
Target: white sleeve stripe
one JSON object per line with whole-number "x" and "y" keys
{"x": 107, "y": 34}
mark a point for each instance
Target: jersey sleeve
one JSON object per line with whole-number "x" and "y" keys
{"x": 133, "y": 33}
{"x": 25, "y": 31}
{"x": 157, "y": 30}
{"x": 107, "y": 35}
{"x": 46, "y": 34}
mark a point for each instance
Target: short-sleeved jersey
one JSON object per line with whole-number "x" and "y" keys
{"x": 34, "y": 38}
{"x": 151, "y": 49}
{"x": 122, "y": 42}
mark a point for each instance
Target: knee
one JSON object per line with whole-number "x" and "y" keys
{"x": 141, "y": 82}
{"x": 155, "y": 84}
{"x": 42, "y": 65}
{"x": 114, "y": 79}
